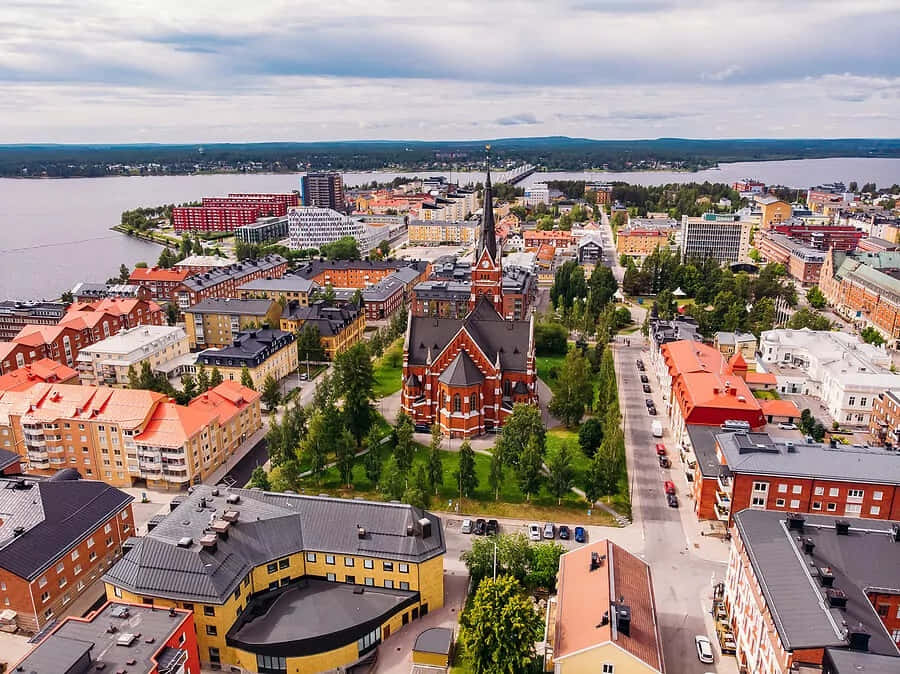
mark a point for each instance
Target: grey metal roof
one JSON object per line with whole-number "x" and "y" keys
{"x": 269, "y": 526}
{"x": 761, "y": 454}
{"x": 235, "y": 271}
{"x": 7, "y": 458}
{"x": 230, "y": 306}
{"x": 461, "y": 372}
{"x": 55, "y": 517}
{"x": 330, "y": 320}
{"x": 867, "y": 557}
{"x": 289, "y": 283}
{"x": 434, "y": 640}
{"x": 509, "y": 339}
{"x": 249, "y": 346}
{"x": 854, "y": 662}
{"x": 313, "y": 268}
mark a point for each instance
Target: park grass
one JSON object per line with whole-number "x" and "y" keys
{"x": 389, "y": 370}
{"x": 548, "y": 369}
{"x": 766, "y": 395}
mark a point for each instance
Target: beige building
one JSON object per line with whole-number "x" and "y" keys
{"x": 437, "y": 232}
{"x": 263, "y": 352}
{"x": 289, "y": 287}
{"x": 728, "y": 343}
{"x": 216, "y": 321}
{"x": 107, "y": 362}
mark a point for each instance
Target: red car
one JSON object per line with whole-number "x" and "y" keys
{"x": 660, "y": 449}
{"x": 669, "y": 486}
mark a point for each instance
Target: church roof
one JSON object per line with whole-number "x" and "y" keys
{"x": 493, "y": 335}
{"x": 488, "y": 231}
{"x": 461, "y": 372}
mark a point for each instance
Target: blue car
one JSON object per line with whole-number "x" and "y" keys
{"x": 580, "y": 535}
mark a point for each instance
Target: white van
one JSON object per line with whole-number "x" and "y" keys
{"x": 656, "y": 429}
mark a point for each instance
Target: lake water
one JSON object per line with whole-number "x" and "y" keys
{"x": 54, "y": 233}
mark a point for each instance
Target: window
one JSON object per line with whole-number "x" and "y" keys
{"x": 457, "y": 403}
{"x": 60, "y": 567}
{"x": 63, "y": 582}
{"x": 388, "y": 566}
{"x": 473, "y": 402}
{"x": 349, "y": 579}
{"x": 237, "y": 592}
{"x": 403, "y": 568}
{"x": 854, "y": 494}
{"x": 834, "y": 491}
{"x": 819, "y": 491}
{"x": 272, "y": 568}
{"x": 852, "y": 401}
{"x": 209, "y": 610}
{"x": 758, "y": 502}
{"x": 817, "y": 505}
{"x": 853, "y": 509}
{"x": 876, "y": 495}
{"x": 310, "y": 556}
{"x": 45, "y": 596}
{"x": 608, "y": 668}
{"x": 271, "y": 664}
{"x": 760, "y": 486}
{"x": 782, "y": 488}
{"x": 883, "y": 610}
{"x": 348, "y": 561}
{"x": 214, "y": 655}
{"x": 329, "y": 559}
{"x": 117, "y": 592}
{"x": 831, "y": 507}
{"x": 404, "y": 585}
{"x": 74, "y": 555}
{"x": 211, "y": 630}
{"x": 371, "y": 639}
{"x": 795, "y": 503}
{"x": 875, "y": 510}
{"x": 388, "y": 583}
{"x": 42, "y": 581}
{"x": 284, "y": 563}
{"x": 92, "y": 556}
{"x": 895, "y": 635}
{"x": 862, "y": 402}
{"x": 331, "y": 577}
{"x": 779, "y": 503}
{"x": 368, "y": 564}
{"x": 107, "y": 528}
{"x": 797, "y": 489}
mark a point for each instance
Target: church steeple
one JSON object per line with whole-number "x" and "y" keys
{"x": 488, "y": 233}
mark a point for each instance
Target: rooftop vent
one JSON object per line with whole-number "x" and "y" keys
{"x": 895, "y": 532}
{"x": 220, "y": 527}
{"x": 208, "y": 541}
{"x": 410, "y": 530}
{"x": 125, "y": 639}
{"x": 18, "y": 531}
{"x": 791, "y": 447}
{"x": 231, "y": 515}
{"x": 358, "y": 589}
{"x": 842, "y": 527}
{"x": 119, "y": 611}
{"x": 795, "y": 521}
{"x": 215, "y": 492}
{"x": 826, "y": 576}
{"x": 859, "y": 639}
{"x": 623, "y": 619}
{"x": 808, "y": 546}
{"x": 185, "y": 542}
{"x": 174, "y": 503}
{"x": 836, "y": 598}
{"x": 360, "y": 532}
{"x": 233, "y": 499}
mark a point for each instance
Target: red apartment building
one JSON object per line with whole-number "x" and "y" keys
{"x": 119, "y": 637}
{"x": 64, "y": 533}
{"x": 161, "y": 282}
{"x": 823, "y": 237}
{"x": 884, "y": 424}
{"x": 803, "y": 262}
{"x": 225, "y": 281}
{"x": 213, "y": 218}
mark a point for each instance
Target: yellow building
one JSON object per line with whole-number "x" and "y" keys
{"x": 288, "y": 288}
{"x": 109, "y": 361}
{"x": 639, "y": 242}
{"x": 263, "y": 352}
{"x": 773, "y": 211}
{"x": 435, "y": 232}
{"x": 604, "y": 616}
{"x": 215, "y": 321}
{"x": 340, "y": 327}
{"x": 287, "y": 583}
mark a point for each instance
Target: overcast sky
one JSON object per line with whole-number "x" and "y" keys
{"x": 258, "y": 70}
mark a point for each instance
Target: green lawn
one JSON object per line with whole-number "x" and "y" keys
{"x": 766, "y": 395}
{"x": 548, "y": 368}
{"x": 389, "y": 370}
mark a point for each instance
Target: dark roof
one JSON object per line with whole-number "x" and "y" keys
{"x": 314, "y": 616}
{"x": 488, "y": 233}
{"x": 269, "y": 526}
{"x": 461, "y": 371}
{"x": 72, "y": 639}
{"x": 854, "y": 662}
{"x": 329, "y": 319}
{"x": 287, "y": 283}
{"x": 7, "y": 459}
{"x": 434, "y": 640}
{"x": 867, "y": 557}
{"x": 231, "y": 306}
{"x": 493, "y": 335}
{"x": 703, "y": 442}
{"x": 235, "y": 271}
{"x": 250, "y": 345}
{"x": 55, "y": 515}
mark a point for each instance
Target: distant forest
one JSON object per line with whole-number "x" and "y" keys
{"x": 552, "y": 153}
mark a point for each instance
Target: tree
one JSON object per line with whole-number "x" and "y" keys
{"x": 321, "y": 439}
{"x": 404, "y": 448}
{"x": 807, "y": 318}
{"x": 815, "y": 298}
{"x": 500, "y": 628}
{"x": 354, "y": 376}
{"x": 528, "y": 470}
{"x": 246, "y": 378}
{"x": 67, "y": 297}
{"x": 188, "y": 385}
{"x": 345, "y": 248}
{"x": 345, "y": 456}
{"x": 435, "y": 467}
{"x": 271, "y": 393}
{"x": 372, "y": 460}
{"x": 550, "y": 339}
{"x": 385, "y": 248}
{"x": 392, "y": 482}
{"x": 871, "y": 335}
{"x": 495, "y": 476}
{"x": 601, "y": 476}
{"x": 278, "y": 452}
{"x": 465, "y": 475}
{"x": 124, "y": 273}
{"x": 524, "y": 423}
{"x": 590, "y": 435}
{"x": 202, "y": 379}
{"x": 215, "y": 377}
{"x": 562, "y": 475}
{"x": 575, "y": 390}
{"x": 544, "y": 565}
{"x": 602, "y": 287}
{"x": 171, "y": 313}
{"x": 259, "y": 478}
{"x": 416, "y": 492}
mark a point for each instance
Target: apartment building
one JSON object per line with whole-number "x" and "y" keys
{"x": 266, "y": 352}
{"x": 821, "y": 236}
{"x": 590, "y": 251}
{"x": 772, "y": 210}
{"x": 661, "y": 331}
{"x": 213, "y": 218}
{"x": 144, "y": 641}
{"x": 126, "y": 437}
{"x": 829, "y": 199}
{"x": 110, "y": 361}
{"x": 44, "y": 370}
{"x": 357, "y": 274}
{"x": 802, "y": 262}
{"x": 323, "y": 190}
{"x": 264, "y": 230}
{"x": 340, "y": 326}
{"x": 57, "y": 537}
{"x": 16, "y": 315}
{"x": 224, "y": 282}
{"x": 884, "y": 423}
{"x": 535, "y": 238}
{"x": 88, "y": 292}
{"x": 639, "y": 242}
{"x": 444, "y": 233}
{"x": 197, "y": 264}
{"x": 843, "y": 372}
{"x": 537, "y": 193}
{"x": 161, "y": 282}
{"x": 216, "y": 321}
{"x": 730, "y": 343}
{"x": 357, "y": 571}
{"x": 603, "y": 618}
{"x": 809, "y": 592}
{"x": 313, "y": 227}
{"x": 721, "y": 236}
{"x": 288, "y": 287}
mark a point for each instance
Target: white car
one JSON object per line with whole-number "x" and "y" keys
{"x": 534, "y": 532}
{"x": 466, "y": 527}
{"x": 787, "y": 427}
{"x": 549, "y": 530}
{"x": 704, "y": 649}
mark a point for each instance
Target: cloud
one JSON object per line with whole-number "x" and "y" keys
{"x": 722, "y": 75}
{"x": 522, "y": 119}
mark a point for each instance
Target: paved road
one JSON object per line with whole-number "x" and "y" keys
{"x": 239, "y": 474}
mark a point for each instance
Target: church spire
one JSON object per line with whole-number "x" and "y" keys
{"x": 488, "y": 233}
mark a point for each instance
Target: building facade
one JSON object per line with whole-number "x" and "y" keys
{"x": 323, "y": 190}
{"x": 340, "y": 325}
{"x": 639, "y": 242}
{"x": 313, "y": 227}
{"x": 107, "y": 362}
{"x": 721, "y": 236}
{"x": 265, "y": 353}
{"x": 225, "y": 282}
{"x": 16, "y": 315}
{"x": 264, "y": 230}
{"x": 216, "y": 321}
{"x": 212, "y": 218}
{"x": 439, "y": 233}
{"x": 160, "y": 282}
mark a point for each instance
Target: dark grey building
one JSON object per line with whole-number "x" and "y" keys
{"x": 325, "y": 190}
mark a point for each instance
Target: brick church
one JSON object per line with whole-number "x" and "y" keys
{"x": 466, "y": 374}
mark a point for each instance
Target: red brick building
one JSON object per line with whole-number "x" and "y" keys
{"x": 823, "y": 237}
{"x": 465, "y": 374}
{"x": 557, "y": 239}
{"x": 60, "y": 535}
{"x": 884, "y": 424}
{"x": 161, "y": 282}
{"x": 213, "y": 218}
{"x": 225, "y": 281}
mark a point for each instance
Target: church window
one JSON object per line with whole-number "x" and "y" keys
{"x": 473, "y": 402}
{"x": 457, "y": 403}
{"x": 507, "y": 387}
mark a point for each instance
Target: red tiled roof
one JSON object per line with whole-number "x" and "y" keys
{"x": 779, "y": 408}
{"x": 156, "y": 274}
{"x": 761, "y": 378}
{"x": 225, "y": 400}
{"x": 43, "y": 370}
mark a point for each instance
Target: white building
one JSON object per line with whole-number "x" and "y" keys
{"x": 538, "y": 193}
{"x": 844, "y": 373}
{"x": 106, "y": 363}
{"x": 313, "y": 227}
{"x": 723, "y": 236}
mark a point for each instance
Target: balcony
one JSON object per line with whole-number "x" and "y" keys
{"x": 57, "y": 462}
{"x": 722, "y": 514}
{"x": 35, "y": 442}
{"x": 723, "y": 499}
{"x": 724, "y": 483}
{"x": 37, "y": 455}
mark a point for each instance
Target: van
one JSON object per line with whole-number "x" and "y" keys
{"x": 656, "y": 429}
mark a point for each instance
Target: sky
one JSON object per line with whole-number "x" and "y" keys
{"x": 171, "y": 71}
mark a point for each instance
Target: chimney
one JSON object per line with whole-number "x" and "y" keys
{"x": 836, "y": 598}
{"x": 623, "y": 619}
{"x": 808, "y": 546}
{"x": 895, "y": 532}
{"x": 425, "y": 527}
{"x": 795, "y": 521}
{"x": 859, "y": 639}
{"x": 842, "y": 527}
{"x": 360, "y": 532}
{"x": 826, "y": 576}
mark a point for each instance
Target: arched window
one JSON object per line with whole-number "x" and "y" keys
{"x": 457, "y": 403}
{"x": 473, "y": 402}
{"x": 507, "y": 387}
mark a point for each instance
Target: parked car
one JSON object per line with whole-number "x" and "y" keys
{"x": 580, "y": 535}
{"x": 639, "y": 363}
{"x": 656, "y": 429}
{"x": 787, "y": 426}
{"x": 652, "y": 411}
{"x": 649, "y": 402}
{"x": 645, "y": 379}
{"x": 664, "y": 462}
{"x": 549, "y": 530}
{"x": 646, "y": 388}
{"x": 564, "y": 532}
{"x": 669, "y": 487}
{"x": 660, "y": 449}
{"x": 672, "y": 500}
{"x": 534, "y": 532}
{"x": 704, "y": 649}
{"x": 466, "y": 527}
{"x": 479, "y": 527}
{"x": 493, "y": 528}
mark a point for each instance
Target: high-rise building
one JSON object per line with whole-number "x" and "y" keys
{"x": 325, "y": 190}
{"x": 313, "y": 227}
{"x": 722, "y": 236}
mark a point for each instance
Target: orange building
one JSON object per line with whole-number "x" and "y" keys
{"x": 124, "y": 436}
{"x": 639, "y": 242}
{"x": 534, "y": 238}
{"x": 773, "y": 211}
{"x": 357, "y": 274}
